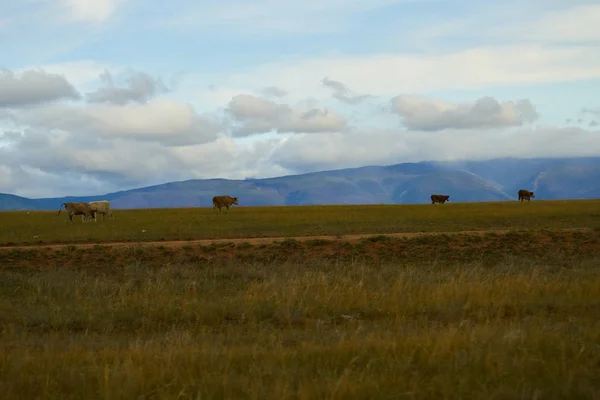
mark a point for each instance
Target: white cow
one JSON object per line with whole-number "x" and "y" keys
{"x": 100, "y": 207}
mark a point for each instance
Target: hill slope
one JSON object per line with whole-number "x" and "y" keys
{"x": 491, "y": 180}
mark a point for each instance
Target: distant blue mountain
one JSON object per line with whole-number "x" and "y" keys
{"x": 408, "y": 183}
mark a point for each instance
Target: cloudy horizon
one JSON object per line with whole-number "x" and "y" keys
{"x": 97, "y": 97}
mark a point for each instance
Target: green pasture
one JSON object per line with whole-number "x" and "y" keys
{"x": 247, "y": 222}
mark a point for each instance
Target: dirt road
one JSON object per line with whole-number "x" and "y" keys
{"x": 255, "y": 240}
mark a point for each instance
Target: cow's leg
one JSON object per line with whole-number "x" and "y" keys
{"x": 71, "y": 217}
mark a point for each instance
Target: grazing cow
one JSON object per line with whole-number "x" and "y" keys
{"x": 80, "y": 208}
{"x": 525, "y": 195}
{"x": 101, "y": 207}
{"x": 224, "y": 201}
{"x": 439, "y": 198}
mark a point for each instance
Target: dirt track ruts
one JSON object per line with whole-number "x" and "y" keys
{"x": 262, "y": 240}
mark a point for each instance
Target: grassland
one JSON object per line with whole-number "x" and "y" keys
{"x": 495, "y": 316}
{"x": 509, "y": 315}
{"x": 249, "y": 222}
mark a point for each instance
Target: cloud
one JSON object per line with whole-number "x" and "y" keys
{"x": 593, "y": 111}
{"x": 94, "y": 11}
{"x": 227, "y": 158}
{"x": 33, "y": 87}
{"x": 61, "y": 162}
{"x": 11, "y": 136}
{"x": 382, "y": 74}
{"x": 46, "y": 162}
{"x": 43, "y": 163}
{"x": 160, "y": 120}
{"x": 273, "y": 91}
{"x": 342, "y": 93}
{"x": 308, "y": 153}
{"x": 252, "y": 115}
{"x": 575, "y": 24}
{"x": 593, "y": 123}
{"x": 140, "y": 88}
{"x": 78, "y": 73}
{"x": 429, "y": 114}
{"x": 548, "y": 22}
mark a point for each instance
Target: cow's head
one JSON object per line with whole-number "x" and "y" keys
{"x": 235, "y": 201}
{"x": 531, "y": 194}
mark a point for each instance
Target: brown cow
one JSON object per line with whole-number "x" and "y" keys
{"x": 525, "y": 195}
{"x": 79, "y": 208}
{"x": 224, "y": 201}
{"x": 439, "y": 198}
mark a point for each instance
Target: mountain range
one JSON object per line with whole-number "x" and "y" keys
{"x": 407, "y": 183}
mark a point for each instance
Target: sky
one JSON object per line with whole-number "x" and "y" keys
{"x": 98, "y": 96}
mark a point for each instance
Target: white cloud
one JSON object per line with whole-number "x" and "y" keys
{"x": 82, "y": 73}
{"x": 575, "y": 24}
{"x": 273, "y": 91}
{"x": 388, "y": 74}
{"x": 160, "y": 120}
{"x": 593, "y": 111}
{"x": 227, "y": 158}
{"x": 342, "y": 92}
{"x": 307, "y": 153}
{"x": 136, "y": 132}
{"x": 256, "y": 115}
{"x": 6, "y": 176}
{"x": 91, "y": 10}
{"x": 43, "y": 163}
{"x": 428, "y": 114}
{"x": 60, "y": 162}
{"x": 33, "y": 87}
{"x": 547, "y": 22}
{"x": 140, "y": 88}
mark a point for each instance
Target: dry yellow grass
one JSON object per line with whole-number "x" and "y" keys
{"x": 486, "y": 317}
{"x": 247, "y": 222}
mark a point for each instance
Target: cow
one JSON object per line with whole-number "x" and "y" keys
{"x": 101, "y": 207}
{"x": 439, "y": 198}
{"x": 80, "y": 208}
{"x": 224, "y": 201}
{"x": 525, "y": 195}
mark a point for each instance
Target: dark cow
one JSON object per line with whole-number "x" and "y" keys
{"x": 525, "y": 195}
{"x": 80, "y": 208}
{"x": 224, "y": 201}
{"x": 439, "y": 198}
